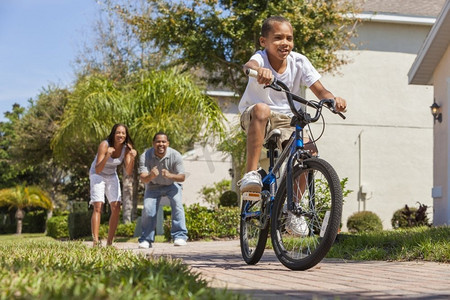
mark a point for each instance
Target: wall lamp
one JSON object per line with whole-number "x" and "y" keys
{"x": 436, "y": 112}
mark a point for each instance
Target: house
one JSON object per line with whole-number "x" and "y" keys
{"x": 384, "y": 147}
{"x": 432, "y": 67}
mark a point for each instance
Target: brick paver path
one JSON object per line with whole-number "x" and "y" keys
{"x": 220, "y": 262}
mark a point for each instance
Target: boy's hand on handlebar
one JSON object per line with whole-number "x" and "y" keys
{"x": 264, "y": 76}
{"x": 341, "y": 104}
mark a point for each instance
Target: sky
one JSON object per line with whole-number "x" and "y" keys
{"x": 39, "y": 41}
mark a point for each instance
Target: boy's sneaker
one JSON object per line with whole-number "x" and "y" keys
{"x": 179, "y": 242}
{"x": 297, "y": 225}
{"x": 251, "y": 182}
{"x": 145, "y": 244}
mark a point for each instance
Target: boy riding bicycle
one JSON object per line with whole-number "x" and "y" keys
{"x": 263, "y": 110}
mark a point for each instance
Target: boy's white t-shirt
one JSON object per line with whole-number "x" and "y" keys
{"x": 299, "y": 72}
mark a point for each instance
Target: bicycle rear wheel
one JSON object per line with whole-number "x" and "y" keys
{"x": 301, "y": 238}
{"x": 253, "y": 231}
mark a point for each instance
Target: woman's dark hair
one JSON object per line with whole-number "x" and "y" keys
{"x": 267, "y": 24}
{"x": 161, "y": 133}
{"x": 110, "y": 138}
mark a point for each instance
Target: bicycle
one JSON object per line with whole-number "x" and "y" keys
{"x": 305, "y": 212}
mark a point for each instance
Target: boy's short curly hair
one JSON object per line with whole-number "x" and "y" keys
{"x": 267, "y": 24}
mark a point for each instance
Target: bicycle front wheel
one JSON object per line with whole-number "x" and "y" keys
{"x": 302, "y": 236}
{"x": 253, "y": 231}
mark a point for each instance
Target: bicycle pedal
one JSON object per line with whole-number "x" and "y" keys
{"x": 251, "y": 196}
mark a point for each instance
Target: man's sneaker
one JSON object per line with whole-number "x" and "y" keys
{"x": 145, "y": 244}
{"x": 179, "y": 242}
{"x": 251, "y": 182}
{"x": 297, "y": 225}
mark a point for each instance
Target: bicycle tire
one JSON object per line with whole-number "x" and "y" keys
{"x": 253, "y": 235}
{"x": 302, "y": 240}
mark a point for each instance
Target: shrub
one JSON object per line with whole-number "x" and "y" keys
{"x": 34, "y": 221}
{"x": 57, "y": 227}
{"x": 228, "y": 199}
{"x": 202, "y": 222}
{"x": 102, "y": 231}
{"x": 410, "y": 217}
{"x": 364, "y": 221}
{"x": 79, "y": 224}
{"x": 126, "y": 230}
{"x": 211, "y": 194}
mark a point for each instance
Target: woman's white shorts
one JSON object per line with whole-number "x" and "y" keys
{"x": 104, "y": 185}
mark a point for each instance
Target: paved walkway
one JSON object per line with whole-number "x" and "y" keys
{"x": 220, "y": 263}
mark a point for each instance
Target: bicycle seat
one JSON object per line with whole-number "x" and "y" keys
{"x": 272, "y": 137}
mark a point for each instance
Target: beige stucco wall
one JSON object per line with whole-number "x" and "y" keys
{"x": 390, "y": 119}
{"x": 204, "y": 165}
{"x": 441, "y": 81}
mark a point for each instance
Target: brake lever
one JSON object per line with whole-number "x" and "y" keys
{"x": 332, "y": 107}
{"x": 274, "y": 86}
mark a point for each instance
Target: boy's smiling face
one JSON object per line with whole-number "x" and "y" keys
{"x": 279, "y": 42}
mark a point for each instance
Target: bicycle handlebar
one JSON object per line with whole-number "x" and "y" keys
{"x": 281, "y": 87}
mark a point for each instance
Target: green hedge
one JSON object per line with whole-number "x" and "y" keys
{"x": 123, "y": 230}
{"x": 202, "y": 222}
{"x": 57, "y": 227}
{"x": 79, "y": 224}
{"x": 34, "y": 221}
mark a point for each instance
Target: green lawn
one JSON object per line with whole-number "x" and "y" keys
{"x": 37, "y": 267}
{"x": 419, "y": 243}
{"x": 34, "y": 266}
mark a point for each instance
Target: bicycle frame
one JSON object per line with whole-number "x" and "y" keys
{"x": 293, "y": 151}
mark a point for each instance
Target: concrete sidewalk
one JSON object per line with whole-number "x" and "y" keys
{"x": 220, "y": 263}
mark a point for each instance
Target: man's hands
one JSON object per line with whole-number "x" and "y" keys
{"x": 164, "y": 173}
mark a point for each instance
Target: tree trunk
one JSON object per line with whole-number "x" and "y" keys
{"x": 20, "y": 214}
{"x": 127, "y": 199}
{"x": 135, "y": 192}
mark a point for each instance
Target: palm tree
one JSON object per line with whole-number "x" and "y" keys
{"x": 21, "y": 197}
{"x": 172, "y": 102}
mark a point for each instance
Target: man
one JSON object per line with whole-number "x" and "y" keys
{"x": 161, "y": 170}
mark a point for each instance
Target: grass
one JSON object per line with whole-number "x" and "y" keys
{"x": 419, "y": 243}
{"x": 36, "y": 267}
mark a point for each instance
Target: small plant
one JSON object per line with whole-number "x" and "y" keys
{"x": 211, "y": 194}
{"x": 58, "y": 227}
{"x": 126, "y": 230}
{"x": 228, "y": 199}
{"x": 364, "y": 221}
{"x": 410, "y": 217}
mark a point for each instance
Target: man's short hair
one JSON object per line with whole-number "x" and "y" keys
{"x": 160, "y": 133}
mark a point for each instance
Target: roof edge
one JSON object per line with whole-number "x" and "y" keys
{"x": 426, "y": 47}
{"x": 393, "y": 18}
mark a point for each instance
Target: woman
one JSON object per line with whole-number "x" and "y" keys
{"x": 117, "y": 148}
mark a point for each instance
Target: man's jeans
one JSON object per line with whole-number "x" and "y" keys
{"x": 152, "y": 198}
